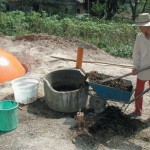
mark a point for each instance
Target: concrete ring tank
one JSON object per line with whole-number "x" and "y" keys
{"x": 66, "y": 90}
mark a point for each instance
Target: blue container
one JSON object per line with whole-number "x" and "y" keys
{"x": 111, "y": 93}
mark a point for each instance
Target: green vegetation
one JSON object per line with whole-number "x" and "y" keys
{"x": 116, "y": 38}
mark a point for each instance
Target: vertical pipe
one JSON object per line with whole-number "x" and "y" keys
{"x": 79, "y": 58}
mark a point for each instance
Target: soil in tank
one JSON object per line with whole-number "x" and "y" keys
{"x": 65, "y": 87}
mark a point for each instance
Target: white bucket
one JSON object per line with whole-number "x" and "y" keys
{"x": 25, "y": 90}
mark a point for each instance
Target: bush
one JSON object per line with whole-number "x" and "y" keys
{"x": 13, "y": 23}
{"x": 115, "y": 38}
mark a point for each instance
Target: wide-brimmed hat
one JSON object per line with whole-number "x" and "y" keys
{"x": 143, "y": 20}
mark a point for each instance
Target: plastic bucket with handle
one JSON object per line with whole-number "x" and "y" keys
{"x": 8, "y": 115}
{"x": 25, "y": 90}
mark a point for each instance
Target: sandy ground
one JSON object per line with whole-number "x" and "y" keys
{"x": 42, "y": 128}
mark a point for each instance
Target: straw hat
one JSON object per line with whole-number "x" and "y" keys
{"x": 143, "y": 20}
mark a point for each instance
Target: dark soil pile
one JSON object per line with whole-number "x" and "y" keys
{"x": 96, "y": 77}
{"x": 113, "y": 120}
{"x": 33, "y": 37}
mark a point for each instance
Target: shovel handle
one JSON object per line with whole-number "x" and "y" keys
{"x": 83, "y": 71}
{"x": 138, "y": 71}
{"x": 125, "y": 75}
{"x": 128, "y": 74}
{"x": 136, "y": 98}
{"x": 115, "y": 78}
{"x": 143, "y": 69}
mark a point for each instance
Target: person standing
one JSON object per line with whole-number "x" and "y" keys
{"x": 141, "y": 59}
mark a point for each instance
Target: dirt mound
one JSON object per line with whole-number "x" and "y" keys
{"x": 113, "y": 121}
{"x": 1, "y": 34}
{"x": 34, "y": 37}
{"x": 65, "y": 41}
{"x": 96, "y": 77}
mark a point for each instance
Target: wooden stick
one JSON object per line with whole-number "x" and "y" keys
{"x": 101, "y": 62}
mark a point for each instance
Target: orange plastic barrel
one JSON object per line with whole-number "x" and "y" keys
{"x": 79, "y": 58}
{"x": 10, "y": 67}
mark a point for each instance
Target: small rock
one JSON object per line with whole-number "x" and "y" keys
{"x": 73, "y": 141}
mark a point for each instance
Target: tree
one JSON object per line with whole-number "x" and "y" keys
{"x": 98, "y": 9}
{"x": 134, "y": 5}
{"x": 107, "y": 7}
{"x": 146, "y": 2}
{"x": 0, "y": 11}
{"x": 112, "y": 7}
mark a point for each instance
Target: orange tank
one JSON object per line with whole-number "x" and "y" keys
{"x": 10, "y": 67}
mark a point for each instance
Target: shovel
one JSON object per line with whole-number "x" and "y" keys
{"x": 136, "y": 98}
{"x": 128, "y": 74}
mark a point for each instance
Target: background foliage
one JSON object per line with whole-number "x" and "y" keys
{"x": 115, "y": 37}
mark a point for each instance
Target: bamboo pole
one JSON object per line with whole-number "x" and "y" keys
{"x": 92, "y": 62}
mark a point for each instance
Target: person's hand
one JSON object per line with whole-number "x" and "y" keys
{"x": 134, "y": 71}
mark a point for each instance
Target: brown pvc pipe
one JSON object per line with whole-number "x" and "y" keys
{"x": 79, "y": 58}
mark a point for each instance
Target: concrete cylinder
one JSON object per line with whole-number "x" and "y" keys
{"x": 66, "y": 90}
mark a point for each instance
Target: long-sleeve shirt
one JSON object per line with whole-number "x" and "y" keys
{"x": 141, "y": 56}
